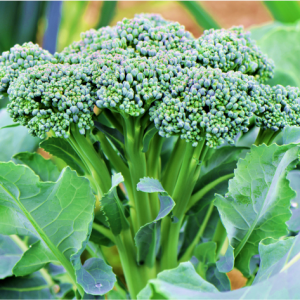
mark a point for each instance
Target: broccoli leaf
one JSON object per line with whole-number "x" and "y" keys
{"x": 258, "y": 202}
{"x": 294, "y": 222}
{"x": 113, "y": 208}
{"x": 61, "y": 148}
{"x": 225, "y": 263}
{"x": 42, "y": 167}
{"x": 34, "y": 259}
{"x": 184, "y": 282}
{"x": 113, "y": 135}
{"x": 14, "y": 139}
{"x": 59, "y": 213}
{"x": 274, "y": 255}
{"x": 149, "y": 134}
{"x": 10, "y": 253}
{"x": 146, "y": 236}
{"x": 289, "y": 135}
{"x": 33, "y": 286}
{"x": 281, "y": 44}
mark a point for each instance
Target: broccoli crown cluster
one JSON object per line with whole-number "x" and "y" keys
{"x": 208, "y": 86}
{"x": 277, "y": 106}
{"x": 20, "y": 58}
{"x": 52, "y": 97}
{"x": 233, "y": 49}
{"x": 209, "y": 101}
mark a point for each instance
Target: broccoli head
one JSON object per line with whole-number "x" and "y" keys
{"x": 52, "y": 97}
{"x": 142, "y": 66}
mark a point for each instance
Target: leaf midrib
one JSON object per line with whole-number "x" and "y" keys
{"x": 246, "y": 237}
{"x": 63, "y": 260}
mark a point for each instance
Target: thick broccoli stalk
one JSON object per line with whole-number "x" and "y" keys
{"x": 20, "y": 58}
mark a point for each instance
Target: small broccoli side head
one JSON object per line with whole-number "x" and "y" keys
{"x": 148, "y": 67}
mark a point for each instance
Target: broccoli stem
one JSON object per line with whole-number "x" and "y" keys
{"x": 189, "y": 172}
{"x": 265, "y": 136}
{"x": 113, "y": 120}
{"x": 173, "y": 166}
{"x": 219, "y": 236}
{"x": 96, "y": 166}
{"x": 189, "y": 251}
{"x": 196, "y": 197}
{"x": 153, "y": 169}
{"x": 127, "y": 254}
{"x": 137, "y": 168}
{"x": 116, "y": 161}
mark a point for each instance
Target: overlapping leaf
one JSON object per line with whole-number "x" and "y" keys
{"x": 61, "y": 148}
{"x": 258, "y": 202}
{"x": 42, "y": 167}
{"x": 59, "y": 213}
{"x": 145, "y": 238}
{"x": 113, "y": 208}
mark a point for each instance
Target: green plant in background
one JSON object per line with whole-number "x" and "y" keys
{"x": 177, "y": 152}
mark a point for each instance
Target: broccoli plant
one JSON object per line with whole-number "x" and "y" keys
{"x": 145, "y": 126}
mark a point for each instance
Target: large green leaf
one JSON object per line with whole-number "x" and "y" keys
{"x": 146, "y": 237}
{"x": 10, "y": 253}
{"x": 61, "y": 148}
{"x": 282, "y": 45}
{"x": 290, "y": 134}
{"x": 113, "y": 208}
{"x": 207, "y": 269}
{"x": 42, "y": 167}
{"x": 34, "y": 259}
{"x": 294, "y": 222}
{"x": 274, "y": 255}
{"x": 33, "y": 286}
{"x": 59, "y": 213}
{"x": 184, "y": 283}
{"x": 14, "y": 139}
{"x": 180, "y": 283}
{"x": 257, "y": 205}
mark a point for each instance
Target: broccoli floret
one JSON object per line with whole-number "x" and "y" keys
{"x": 277, "y": 106}
{"x": 207, "y": 103}
{"x": 20, "y": 58}
{"x": 52, "y": 97}
{"x": 158, "y": 20}
{"x": 233, "y": 49}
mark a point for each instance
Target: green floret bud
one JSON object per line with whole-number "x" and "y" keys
{"x": 156, "y": 19}
{"x": 20, "y": 58}
{"x": 277, "y": 106}
{"x": 205, "y": 101}
{"x": 51, "y": 97}
{"x": 233, "y": 49}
